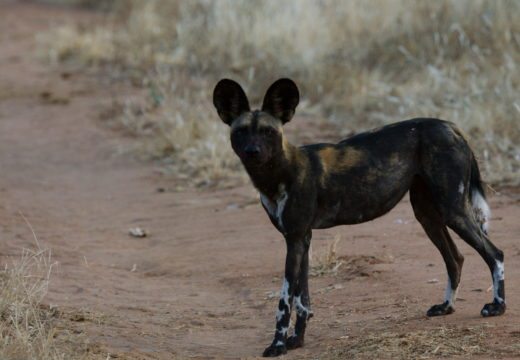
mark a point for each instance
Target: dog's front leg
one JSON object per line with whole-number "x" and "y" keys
{"x": 302, "y": 301}
{"x": 296, "y": 249}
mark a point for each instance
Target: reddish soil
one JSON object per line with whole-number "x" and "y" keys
{"x": 202, "y": 283}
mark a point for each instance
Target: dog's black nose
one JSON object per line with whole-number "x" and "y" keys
{"x": 252, "y": 150}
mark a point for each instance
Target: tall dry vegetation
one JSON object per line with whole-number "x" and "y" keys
{"x": 359, "y": 63}
{"x": 26, "y": 330}
{"x": 29, "y": 329}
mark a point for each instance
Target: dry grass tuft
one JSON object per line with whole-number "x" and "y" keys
{"x": 326, "y": 263}
{"x": 26, "y": 327}
{"x": 89, "y": 46}
{"x": 419, "y": 344}
{"x": 182, "y": 133}
{"x": 362, "y": 64}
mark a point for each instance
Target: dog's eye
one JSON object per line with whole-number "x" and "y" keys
{"x": 240, "y": 131}
{"x": 268, "y": 131}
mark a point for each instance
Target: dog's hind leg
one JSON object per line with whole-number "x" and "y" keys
{"x": 465, "y": 211}
{"x": 452, "y": 174}
{"x": 431, "y": 220}
{"x": 465, "y": 225}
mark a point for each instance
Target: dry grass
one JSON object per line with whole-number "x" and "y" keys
{"x": 419, "y": 344}
{"x": 26, "y": 327}
{"x": 327, "y": 262}
{"x": 362, "y": 64}
{"x": 182, "y": 132}
{"x": 30, "y": 330}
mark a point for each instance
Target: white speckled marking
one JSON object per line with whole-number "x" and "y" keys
{"x": 300, "y": 308}
{"x": 280, "y": 206}
{"x": 284, "y": 296}
{"x": 450, "y": 295}
{"x": 268, "y": 204}
{"x": 482, "y": 211}
{"x": 283, "y": 331}
{"x": 461, "y": 188}
{"x": 275, "y": 208}
{"x": 284, "y": 293}
{"x": 498, "y": 275}
{"x": 279, "y": 314}
{"x": 279, "y": 343}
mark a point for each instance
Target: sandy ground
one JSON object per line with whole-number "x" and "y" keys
{"x": 203, "y": 283}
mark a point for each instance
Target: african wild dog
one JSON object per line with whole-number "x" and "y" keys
{"x": 356, "y": 180}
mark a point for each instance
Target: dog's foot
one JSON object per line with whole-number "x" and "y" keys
{"x": 493, "y": 309}
{"x": 294, "y": 342}
{"x": 275, "y": 350}
{"x": 441, "y": 309}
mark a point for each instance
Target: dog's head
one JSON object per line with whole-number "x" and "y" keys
{"x": 256, "y": 136}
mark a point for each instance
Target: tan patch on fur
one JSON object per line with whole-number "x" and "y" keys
{"x": 267, "y": 120}
{"x": 264, "y": 120}
{"x": 336, "y": 160}
{"x": 328, "y": 158}
{"x": 303, "y": 166}
{"x": 243, "y": 120}
{"x": 459, "y": 132}
{"x": 394, "y": 159}
{"x": 297, "y": 157}
{"x": 287, "y": 148}
{"x": 372, "y": 175}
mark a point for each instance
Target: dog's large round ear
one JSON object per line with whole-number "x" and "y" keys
{"x": 281, "y": 99}
{"x": 229, "y": 100}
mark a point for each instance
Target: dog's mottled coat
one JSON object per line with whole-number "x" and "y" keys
{"x": 356, "y": 180}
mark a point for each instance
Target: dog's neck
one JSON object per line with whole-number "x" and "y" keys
{"x": 279, "y": 170}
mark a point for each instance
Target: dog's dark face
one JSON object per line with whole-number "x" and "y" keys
{"x": 256, "y": 136}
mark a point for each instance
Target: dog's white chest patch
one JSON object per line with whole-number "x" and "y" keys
{"x": 461, "y": 188}
{"x": 276, "y": 206}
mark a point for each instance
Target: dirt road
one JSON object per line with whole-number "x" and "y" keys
{"x": 203, "y": 283}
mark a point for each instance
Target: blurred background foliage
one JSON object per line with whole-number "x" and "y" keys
{"x": 359, "y": 64}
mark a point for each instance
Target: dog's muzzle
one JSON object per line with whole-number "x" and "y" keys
{"x": 252, "y": 151}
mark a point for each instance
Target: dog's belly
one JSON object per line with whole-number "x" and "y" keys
{"x": 345, "y": 208}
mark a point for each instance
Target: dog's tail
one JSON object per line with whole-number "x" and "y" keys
{"x": 478, "y": 196}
